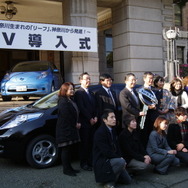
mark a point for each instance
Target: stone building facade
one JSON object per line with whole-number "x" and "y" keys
{"x": 130, "y": 35}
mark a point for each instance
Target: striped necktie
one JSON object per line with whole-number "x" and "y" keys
{"x": 111, "y": 96}
{"x": 135, "y": 97}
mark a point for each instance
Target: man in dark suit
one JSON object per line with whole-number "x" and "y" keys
{"x": 109, "y": 166}
{"x": 85, "y": 101}
{"x": 106, "y": 97}
{"x": 129, "y": 100}
{"x": 152, "y": 112}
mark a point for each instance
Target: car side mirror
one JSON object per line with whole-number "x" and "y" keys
{"x": 56, "y": 71}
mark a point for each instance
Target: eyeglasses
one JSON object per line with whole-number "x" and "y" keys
{"x": 86, "y": 79}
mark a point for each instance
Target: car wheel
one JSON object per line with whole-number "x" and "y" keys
{"x": 26, "y": 98}
{"x": 42, "y": 152}
{"x": 6, "y": 98}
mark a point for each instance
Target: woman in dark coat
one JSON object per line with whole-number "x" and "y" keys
{"x": 67, "y": 126}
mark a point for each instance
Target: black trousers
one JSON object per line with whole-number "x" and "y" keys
{"x": 66, "y": 157}
{"x": 183, "y": 157}
{"x": 86, "y": 145}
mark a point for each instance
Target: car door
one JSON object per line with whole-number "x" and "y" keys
{"x": 56, "y": 76}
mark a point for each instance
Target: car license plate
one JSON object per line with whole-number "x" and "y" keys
{"x": 21, "y": 88}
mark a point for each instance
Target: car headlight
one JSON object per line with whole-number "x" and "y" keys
{"x": 6, "y": 77}
{"x": 43, "y": 75}
{"x": 21, "y": 119}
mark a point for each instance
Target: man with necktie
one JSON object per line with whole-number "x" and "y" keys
{"x": 151, "y": 112}
{"x": 129, "y": 99}
{"x": 106, "y": 98}
{"x": 86, "y": 103}
{"x": 109, "y": 166}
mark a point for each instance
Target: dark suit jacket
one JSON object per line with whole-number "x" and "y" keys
{"x": 174, "y": 135}
{"x": 103, "y": 150}
{"x": 104, "y": 101}
{"x": 131, "y": 146}
{"x": 128, "y": 104}
{"x": 86, "y": 105}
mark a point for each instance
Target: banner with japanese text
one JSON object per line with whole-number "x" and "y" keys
{"x": 39, "y": 36}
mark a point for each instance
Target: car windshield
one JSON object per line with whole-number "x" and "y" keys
{"x": 49, "y": 101}
{"x": 31, "y": 66}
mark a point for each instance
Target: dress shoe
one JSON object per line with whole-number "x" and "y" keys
{"x": 159, "y": 172}
{"x": 75, "y": 171}
{"x": 86, "y": 167}
{"x": 109, "y": 186}
{"x": 69, "y": 172}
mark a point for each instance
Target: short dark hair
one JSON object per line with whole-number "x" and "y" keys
{"x": 158, "y": 78}
{"x": 128, "y": 120}
{"x": 129, "y": 75}
{"x": 106, "y": 113}
{"x": 81, "y": 75}
{"x": 180, "y": 111}
{"x": 147, "y": 73}
{"x": 64, "y": 88}
{"x": 104, "y": 76}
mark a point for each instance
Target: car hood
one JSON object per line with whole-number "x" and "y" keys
{"x": 24, "y": 76}
{"x": 8, "y": 114}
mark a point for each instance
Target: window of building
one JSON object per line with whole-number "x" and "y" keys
{"x": 180, "y": 54}
{"x": 177, "y": 15}
{"x": 109, "y": 48}
{"x": 183, "y": 67}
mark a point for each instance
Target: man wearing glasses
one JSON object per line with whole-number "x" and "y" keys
{"x": 85, "y": 101}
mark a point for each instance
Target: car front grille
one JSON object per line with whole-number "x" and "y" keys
{"x": 28, "y": 90}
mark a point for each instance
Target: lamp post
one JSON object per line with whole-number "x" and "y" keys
{"x": 171, "y": 64}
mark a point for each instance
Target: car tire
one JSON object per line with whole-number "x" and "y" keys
{"x": 42, "y": 152}
{"x": 26, "y": 98}
{"x": 6, "y": 98}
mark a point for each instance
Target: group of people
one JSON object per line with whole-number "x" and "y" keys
{"x": 114, "y": 152}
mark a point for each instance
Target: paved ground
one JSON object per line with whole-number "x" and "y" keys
{"x": 21, "y": 176}
{"x": 16, "y": 101}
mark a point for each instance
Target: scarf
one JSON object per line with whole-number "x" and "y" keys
{"x": 178, "y": 93}
{"x": 184, "y": 131}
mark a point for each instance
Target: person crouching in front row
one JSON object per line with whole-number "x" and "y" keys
{"x": 109, "y": 166}
{"x": 131, "y": 147}
{"x": 162, "y": 156}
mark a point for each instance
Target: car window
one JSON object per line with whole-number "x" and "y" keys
{"x": 48, "y": 101}
{"x": 31, "y": 66}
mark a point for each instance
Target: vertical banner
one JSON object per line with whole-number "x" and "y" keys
{"x": 36, "y": 36}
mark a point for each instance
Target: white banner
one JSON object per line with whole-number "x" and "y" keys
{"x": 36, "y": 36}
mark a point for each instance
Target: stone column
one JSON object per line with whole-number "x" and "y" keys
{"x": 80, "y": 13}
{"x": 137, "y": 38}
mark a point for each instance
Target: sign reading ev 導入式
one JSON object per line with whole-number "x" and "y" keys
{"x": 39, "y": 36}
